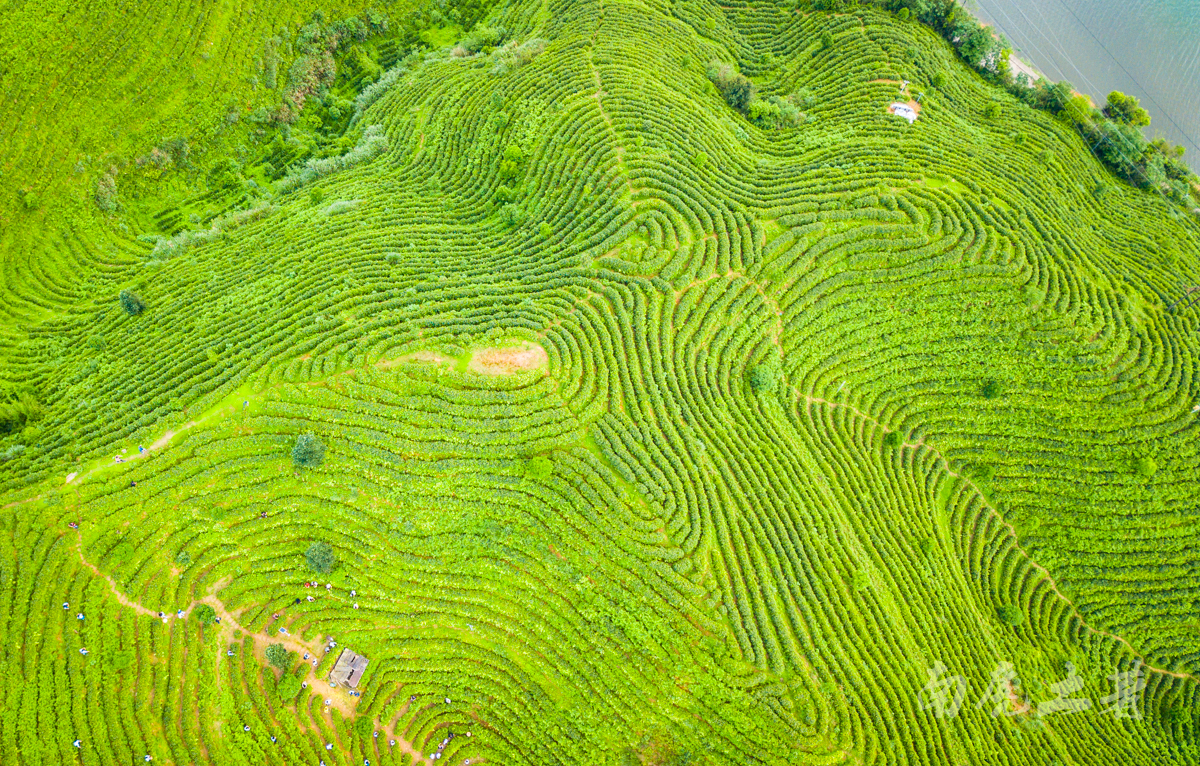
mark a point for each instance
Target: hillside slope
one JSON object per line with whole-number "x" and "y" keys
{"x": 652, "y": 435}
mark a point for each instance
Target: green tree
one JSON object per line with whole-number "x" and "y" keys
{"x": 826, "y": 39}
{"x": 320, "y": 557}
{"x": 1145, "y": 466}
{"x": 289, "y": 686}
{"x": 1126, "y": 109}
{"x": 538, "y": 468}
{"x": 279, "y": 657}
{"x": 131, "y": 302}
{"x": 735, "y": 87}
{"x": 764, "y": 378}
{"x": 308, "y": 452}
{"x": 1010, "y": 615}
{"x": 205, "y": 614}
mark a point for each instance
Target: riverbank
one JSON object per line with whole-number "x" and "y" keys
{"x": 1146, "y": 48}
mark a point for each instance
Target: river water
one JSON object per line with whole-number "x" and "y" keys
{"x": 1147, "y": 48}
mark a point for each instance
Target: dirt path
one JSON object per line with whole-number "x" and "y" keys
{"x": 1020, "y": 67}
{"x": 338, "y": 697}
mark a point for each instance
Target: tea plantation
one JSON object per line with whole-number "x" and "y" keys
{"x": 612, "y": 417}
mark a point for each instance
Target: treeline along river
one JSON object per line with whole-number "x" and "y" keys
{"x": 1147, "y": 48}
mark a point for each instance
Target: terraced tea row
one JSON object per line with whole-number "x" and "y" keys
{"x": 825, "y": 407}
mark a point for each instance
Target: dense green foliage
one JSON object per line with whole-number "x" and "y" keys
{"x": 131, "y": 302}
{"x": 205, "y": 614}
{"x": 320, "y": 557}
{"x": 279, "y": 657}
{"x": 308, "y": 451}
{"x": 657, "y": 427}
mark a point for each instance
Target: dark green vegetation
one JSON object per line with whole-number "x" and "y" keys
{"x": 654, "y": 429}
{"x": 279, "y": 657}
{"x": 1112, "y": 132}
{"x": 320, "y": 557}
{"x": 308, "y": 452}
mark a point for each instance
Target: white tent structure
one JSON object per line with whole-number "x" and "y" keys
{"x": 905, "y": 111}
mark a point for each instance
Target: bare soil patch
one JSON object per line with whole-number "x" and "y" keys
{"x": 509, "y": 359}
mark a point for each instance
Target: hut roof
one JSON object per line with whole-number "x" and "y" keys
{"x": 348, "y": 669}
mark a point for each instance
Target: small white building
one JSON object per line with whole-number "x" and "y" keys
{"x": 905, "y": 111}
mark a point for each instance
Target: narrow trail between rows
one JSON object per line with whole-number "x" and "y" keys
{"x": 331, "y": 697}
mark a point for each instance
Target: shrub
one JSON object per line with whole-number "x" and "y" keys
{"x": 320, "y": 557}
{"x": 538, "y": 468}
{"x": 17, "y": 410}
{"x": 1145, "y": 466}
{"x": 106, "y": 191}
{"x": 699, "y": 159}
{"x": 891, "y": 439}
{"x": 510, "y": 165}
{"x": 308, "y": 452}
{"x": 764, "y": 378}
{"x": 992, "y": 110}
{"x": 316, "y": 196}
{"x": 288, "y": 687}
{"x": 990, "y": 389}
{"x": 183, "y": 558}
{"x": 514, "y": 56}
{"x": 1010, "y": 615}
{"x": 340, "y": 206}
{"x": 775, "y": 112}
{"x": 363, "y": 726}
{"x": 279, "y": 657}
{"x": 131, "y": 302}
{"x": 826, "y": 39}
{"x": 513, "y": 215}
{"x": 735, "y": 87}
{"x": 205, "y": 614}
{"x": 481, "y": 39}
{"x": 372, "y": 143}
{"x": 545, "y": 231}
